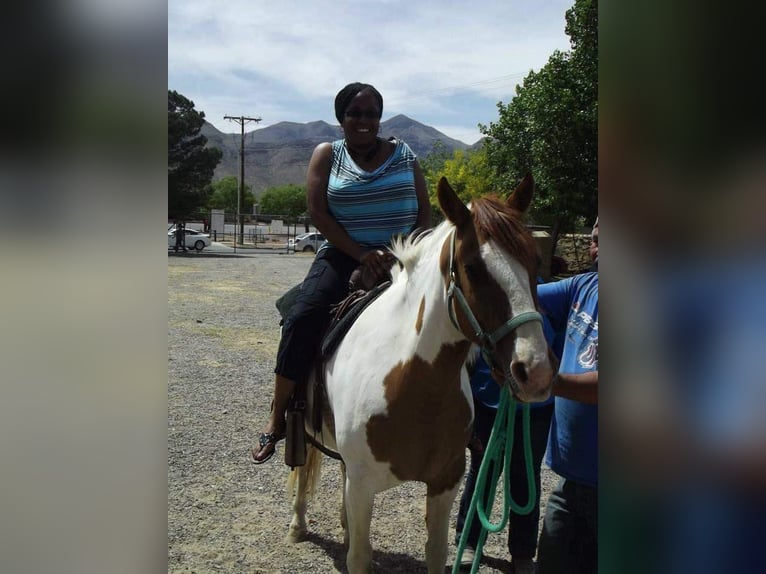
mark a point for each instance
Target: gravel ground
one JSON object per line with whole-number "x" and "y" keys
{"x": 224, "y": 513}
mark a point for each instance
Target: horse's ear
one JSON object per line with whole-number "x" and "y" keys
{"x": 453, "y": 208}
{"x": 522, "y": 195}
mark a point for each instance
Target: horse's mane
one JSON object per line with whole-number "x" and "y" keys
{"x": 493, "y": 218}
{"x": 409, "y": 249}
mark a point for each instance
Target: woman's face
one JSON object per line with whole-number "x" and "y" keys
{"x": 361, "y": 120}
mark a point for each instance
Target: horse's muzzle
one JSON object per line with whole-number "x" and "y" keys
{"x": 531, "y": 383}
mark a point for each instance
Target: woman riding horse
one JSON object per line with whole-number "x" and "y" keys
{"x": 362, "y": 192}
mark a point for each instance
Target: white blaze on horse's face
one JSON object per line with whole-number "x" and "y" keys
{"x": 523, "y": 353}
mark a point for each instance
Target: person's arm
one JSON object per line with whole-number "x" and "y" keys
{"x": 582, "y": 387}
{"x": 424, "y": 205}
{"x": 316, "y": 192}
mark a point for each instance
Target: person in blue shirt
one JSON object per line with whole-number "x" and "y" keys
{"x": 569, "y": 537}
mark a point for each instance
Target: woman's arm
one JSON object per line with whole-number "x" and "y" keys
{"x": 424, "y": 206}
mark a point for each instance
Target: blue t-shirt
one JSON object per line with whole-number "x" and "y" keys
{"x": 571, "y": 306}
{"x": 373, "y": 206}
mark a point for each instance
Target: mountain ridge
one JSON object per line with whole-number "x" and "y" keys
{"x": 279, "y": 154}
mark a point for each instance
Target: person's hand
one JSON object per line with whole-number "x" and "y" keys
{"x": 378, "y": 263}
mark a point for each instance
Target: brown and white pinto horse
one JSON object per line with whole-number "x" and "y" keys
{"x": 400, "y": 406}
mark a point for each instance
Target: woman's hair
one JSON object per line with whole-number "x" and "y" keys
{"x": 344, "y": 97}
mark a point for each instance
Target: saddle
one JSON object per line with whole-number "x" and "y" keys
{"x": 344, "y": 315}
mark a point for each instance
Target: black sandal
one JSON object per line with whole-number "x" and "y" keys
{"x": 265, "y": 440}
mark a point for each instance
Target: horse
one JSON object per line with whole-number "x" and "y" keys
{"x": 397, "y": 401}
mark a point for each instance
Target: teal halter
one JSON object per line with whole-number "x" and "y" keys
{"x": 487, "y": 341}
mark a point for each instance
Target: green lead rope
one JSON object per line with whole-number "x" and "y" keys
{"x": 498, "y": 453}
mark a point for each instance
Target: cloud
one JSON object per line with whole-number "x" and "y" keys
{"x": 288, "y": 61}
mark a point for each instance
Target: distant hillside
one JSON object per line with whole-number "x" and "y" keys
{"x": 279, "y": 154}
{"x": 478, "y": 145}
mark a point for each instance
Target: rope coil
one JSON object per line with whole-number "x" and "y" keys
{"x": 498, "y": 454}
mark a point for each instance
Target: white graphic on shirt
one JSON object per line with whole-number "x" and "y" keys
{"x": 589, "y": 357}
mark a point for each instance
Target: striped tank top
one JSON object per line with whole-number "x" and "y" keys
{"x": 373, "y": 206}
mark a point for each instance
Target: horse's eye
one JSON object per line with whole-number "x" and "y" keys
{"x": 472, "y": 271}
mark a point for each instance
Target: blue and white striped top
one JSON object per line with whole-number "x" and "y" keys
{"x": 373, "y": 206}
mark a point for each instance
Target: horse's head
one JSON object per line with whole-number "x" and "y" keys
{"x": 489, "y": 265}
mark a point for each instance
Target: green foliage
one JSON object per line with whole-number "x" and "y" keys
{"x": 190, "y": 163}
{"x": 289, "y": 200}
{"x": 551, "y": 129}
{"x": 432, "y": 166}
{"x": 225, "y": 194}
{"x": 467, "y": 172}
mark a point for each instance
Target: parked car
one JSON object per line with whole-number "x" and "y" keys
{"x": 307, "y": 242}
{"x": 194, "y": 239}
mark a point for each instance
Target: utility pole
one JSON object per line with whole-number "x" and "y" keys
{"x": 241, "y": 120}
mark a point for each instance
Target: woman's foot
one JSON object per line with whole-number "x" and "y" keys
{"x": 267, "y": 446}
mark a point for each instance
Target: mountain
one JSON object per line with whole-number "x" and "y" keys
{"x": 279, "y": 154}
{"x": 478, "y": 145}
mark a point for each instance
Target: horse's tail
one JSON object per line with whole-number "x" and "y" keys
{"x": 306, "y": 476}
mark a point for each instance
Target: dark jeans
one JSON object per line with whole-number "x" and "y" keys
{"x": 325, "y": 285}
{"x": 569, "y": 539}
{"x": 522, "y": 528}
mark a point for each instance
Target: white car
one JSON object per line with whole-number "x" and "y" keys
{"x": 307, "y": 242}
{"x": 194, "y": 239}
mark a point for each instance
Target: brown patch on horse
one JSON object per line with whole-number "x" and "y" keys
{"x": 424, "y": 434}
{"x": 421, "y": 312}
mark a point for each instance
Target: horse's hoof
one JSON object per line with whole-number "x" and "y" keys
{"x": 296, "y": 535}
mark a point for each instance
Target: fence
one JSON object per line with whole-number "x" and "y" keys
{"x": 271, "y": 232}
{"x": 266, "y": 232}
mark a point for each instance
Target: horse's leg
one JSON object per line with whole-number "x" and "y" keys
{"x": 302, "y": 481}
{"x": 359, "y": 501}
{"x": 437, "y": 522}
{"x": 343, "y": 516}
{"x": 298, "y": 530}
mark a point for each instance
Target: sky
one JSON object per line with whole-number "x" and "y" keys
{"x": 443, "y": 63}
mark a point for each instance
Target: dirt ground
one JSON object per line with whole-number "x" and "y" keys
{"x": 224, "y": 513}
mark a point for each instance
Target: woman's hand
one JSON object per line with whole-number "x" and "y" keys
{"x": 378, "y": 263}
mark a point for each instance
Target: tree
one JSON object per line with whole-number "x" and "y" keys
{"x": 287, "y": 200}
{"x": 469, "y": 174}
{"x": 432, "y": 166}
{"x": 190, "y": 162}
{"x": 225, "y": 194}
{"x": 466, "y": 170}
{"x": 551, "y": 127}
